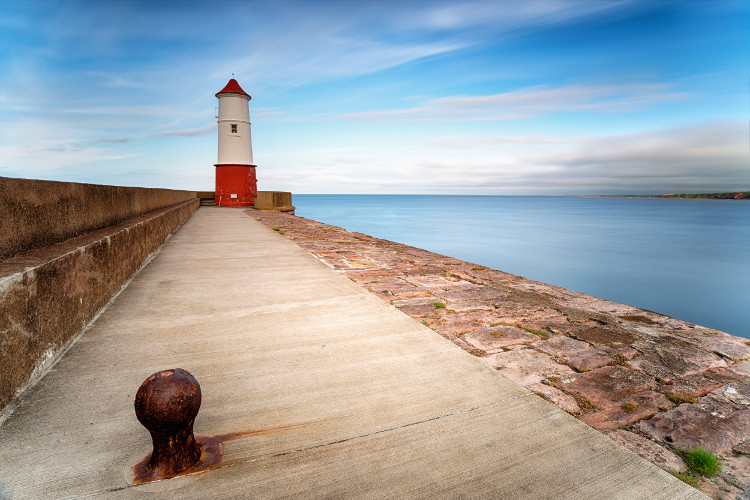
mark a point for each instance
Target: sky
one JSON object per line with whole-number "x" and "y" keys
{"x": 533, "y": 97}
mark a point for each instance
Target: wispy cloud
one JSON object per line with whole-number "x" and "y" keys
{"x": 532, "y": 102}
{"x": 469, "y": 142}
{"x": 209, "y": 128}
{"x": 117, "y": 80}
{"x": 310, "y": 58}
{"x": 144, "y": 110}
{"x": 267, "y": 112}
{"x": 473, "y": 14}
{"x": 108, "y": 140}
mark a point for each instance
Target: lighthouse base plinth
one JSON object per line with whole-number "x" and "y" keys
{"x": 236, "y": 185}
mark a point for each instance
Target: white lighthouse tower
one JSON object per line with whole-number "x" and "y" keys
{"x": 236, "y": 184}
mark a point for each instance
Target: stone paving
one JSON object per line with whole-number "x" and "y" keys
{"x": 654, "y": 384}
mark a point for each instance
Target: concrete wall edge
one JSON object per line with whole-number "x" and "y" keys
{"x": 173, "y": 216}
{"x": 50, "y": 358}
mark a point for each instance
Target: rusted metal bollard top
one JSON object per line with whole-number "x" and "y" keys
{"x": 166, "y": 404}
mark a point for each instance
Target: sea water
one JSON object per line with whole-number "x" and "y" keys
{"x": 689, "y": 259}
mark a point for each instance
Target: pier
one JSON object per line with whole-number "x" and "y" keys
{"x": 311, "y": 387}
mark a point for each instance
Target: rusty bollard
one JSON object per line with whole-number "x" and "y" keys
{"x": 166, "y": 404}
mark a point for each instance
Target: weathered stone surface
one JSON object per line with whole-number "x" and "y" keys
{"x": 743, "y": 448}
{"x": 700, "y": 384}
{"x": 526, "y": 366}
{"x": 421, "y": 307}
{"x": 726, "y": 345}
{"x": 736, "y": 475}
{"x": 463, "y": 291}
{"x": 583, "y": 357}
{"x": 395, "y": 287}
{"x": 407, "y": 295}
{"x": 490, "y": 339}
{"x": 638, "y": 318}
{"x": 733, "y": 480}
{"x": 714, "y": 425}
{"x": 591, "y": 359}
{"x": 434, "y": 281}
{"x": 463, "y": 306}
{"x": 628, "y": 410}
{"x": 561, "y": 346}
{"x": 597, "y": 334}
{"x": 556, "y": 396}
{"x": 454, "y": 324}
{"x": 737, "y": 393}
{"x": 648, "y": 449}
{"x": 742, "y": 368}
{"x": 668, "y": 357}
{"x": 545, "y": 318}
{"x": 609, "y": 383}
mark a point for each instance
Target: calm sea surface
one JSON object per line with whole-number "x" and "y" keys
{"x": 689, "y": 259}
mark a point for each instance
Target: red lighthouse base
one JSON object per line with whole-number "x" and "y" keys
{"x": 236, "y": 185}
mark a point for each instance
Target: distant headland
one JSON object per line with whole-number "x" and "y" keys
{"x": 708, "y": 196}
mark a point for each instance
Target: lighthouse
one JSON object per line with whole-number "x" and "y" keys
{"x": 236, "y": 184}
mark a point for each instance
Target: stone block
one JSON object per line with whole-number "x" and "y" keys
{"x": 647, "y": 449}
{"x": 500, "y": 337}
{"x": 556, "y": 396}
{"x": 715, "y": 425}
{"x": 526, "y": 366}
{"x": 609, "y": 383}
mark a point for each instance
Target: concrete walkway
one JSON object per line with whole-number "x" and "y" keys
{"x": 313, "y": 386}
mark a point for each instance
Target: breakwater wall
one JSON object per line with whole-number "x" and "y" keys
{"x": 66, "y": 249}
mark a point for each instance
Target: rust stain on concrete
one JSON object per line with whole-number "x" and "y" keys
{"x": 212, "y": 453}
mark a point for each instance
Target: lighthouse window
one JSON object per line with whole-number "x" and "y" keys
{"x": 234, "y": 128}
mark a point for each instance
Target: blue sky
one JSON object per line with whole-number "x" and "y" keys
{"x": 443, "y": 97}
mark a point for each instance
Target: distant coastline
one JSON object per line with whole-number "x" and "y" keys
{"x": 704, "y": 196}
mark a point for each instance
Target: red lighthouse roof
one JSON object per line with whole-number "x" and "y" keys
{"x": 232, "y": 88}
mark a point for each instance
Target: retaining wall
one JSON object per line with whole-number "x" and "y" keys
{"x": 49, "y": 294}
{"x": 36, "y": 213}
